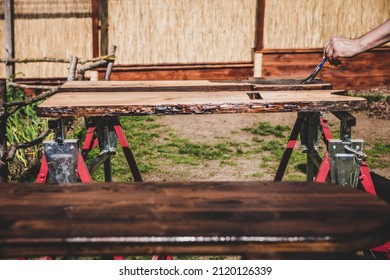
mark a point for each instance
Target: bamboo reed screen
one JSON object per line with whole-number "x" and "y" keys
{"x": 49, "y": 28}
{"x": 308, "y": 24}
{"x": 183, "y": 31}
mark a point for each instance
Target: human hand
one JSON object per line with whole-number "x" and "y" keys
{"x": 338, "y": 46}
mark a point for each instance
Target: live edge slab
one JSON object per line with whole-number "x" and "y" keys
{"x": 121, "y": 98}
{"x": 253, "y": 219}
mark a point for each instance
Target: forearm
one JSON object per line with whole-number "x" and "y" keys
{"x": 375, "y": 37}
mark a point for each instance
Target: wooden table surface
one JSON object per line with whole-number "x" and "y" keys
{"x": 188, "y": 218}
{"x": 113, "y": 98}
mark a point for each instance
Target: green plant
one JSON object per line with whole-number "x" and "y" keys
{"x": 23, "y": 126}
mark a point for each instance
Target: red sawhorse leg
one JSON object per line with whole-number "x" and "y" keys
{"x": 128, "y": 153}
{"x": 91, "y": 141}
{"x": 289, "y": 149}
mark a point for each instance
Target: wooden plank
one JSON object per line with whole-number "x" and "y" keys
{"x": 210, "y": 71}
{"x": 168, "y": 103}
{"x": 191, "y": 85}
{"x": 188, "y": 218}
{"x": 153, "y": 86}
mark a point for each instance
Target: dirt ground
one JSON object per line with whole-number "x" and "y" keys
{"x": 210, "y": 128}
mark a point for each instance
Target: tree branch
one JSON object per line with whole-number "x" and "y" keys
{"x": 14, "y": 147}
{"x": 33, "y": 99}
{"x": 96, "y": 64}
{"x": 108, "y": 57}
{"x": 29, "y": 86}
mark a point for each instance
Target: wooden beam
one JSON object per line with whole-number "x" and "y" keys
{"x": 95, "y": 28}
{"x": 103, "y": 16}
{"x": 260, "y": 25}
{"x": 9, "y": 36}
{"x": 224, "y": 218}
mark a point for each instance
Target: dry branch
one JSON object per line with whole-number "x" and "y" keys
{"x": 14, "y": 147}
{"x": 29, "y": 60}
{"x": 29, "y": 86}
{"x": 110, "y": 64}
{"x": 109, "y": 57}
{"x": 72, "y": 68}
{"x": 22, "y": 103}
{"x": 94, "y": 65}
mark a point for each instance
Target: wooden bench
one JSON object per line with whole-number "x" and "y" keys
{"x": 252, "y": 219}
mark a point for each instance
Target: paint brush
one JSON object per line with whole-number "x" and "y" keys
{"x": 315, "y": 72}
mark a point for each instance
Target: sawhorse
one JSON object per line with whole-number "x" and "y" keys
{"x": 344, "y": 161}
{"x": 105, "y": 131}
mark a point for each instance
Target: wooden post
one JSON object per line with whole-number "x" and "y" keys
{"x": 103, "y": 16}
{"x": 258, "y": 56}
{"x": 95, "y": 28}
{"x": 9, "y": 37}
{"x": 3, "y": 133}
{"x": 260, "y": 25}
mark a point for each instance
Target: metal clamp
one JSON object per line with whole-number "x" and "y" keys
{"x": 345, "y": 159}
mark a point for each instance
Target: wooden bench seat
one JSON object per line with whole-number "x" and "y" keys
{"x": 224, "y": 218}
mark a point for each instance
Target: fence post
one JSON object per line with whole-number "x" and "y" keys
{"x": 9, "y": 37}
{"x": 3, "y": 132}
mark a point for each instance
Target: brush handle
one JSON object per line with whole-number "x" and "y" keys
{"x": 315, "y": 72}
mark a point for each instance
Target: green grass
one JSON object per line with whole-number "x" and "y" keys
{"x": 378, "y": 155}
{"x": 266, "y": 129}
{"x": 373, "y": 97}
{"x": 158, "y": 149}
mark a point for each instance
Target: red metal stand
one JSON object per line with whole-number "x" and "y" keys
{"x": 289, "y": 149}
{"x": 365, "y": 176}
{"x": 91, "y": 141}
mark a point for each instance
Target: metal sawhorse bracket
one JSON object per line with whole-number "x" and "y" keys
{"x": 62, "y": 162}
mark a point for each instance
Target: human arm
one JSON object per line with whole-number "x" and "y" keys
{"x": 338, "y": 46}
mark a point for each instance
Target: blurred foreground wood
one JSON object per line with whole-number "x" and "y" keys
{"x": 252, "y": 219}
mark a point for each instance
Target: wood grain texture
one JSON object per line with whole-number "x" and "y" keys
{"x": 188, "y": 218}
{"x": 110, "y": 98}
